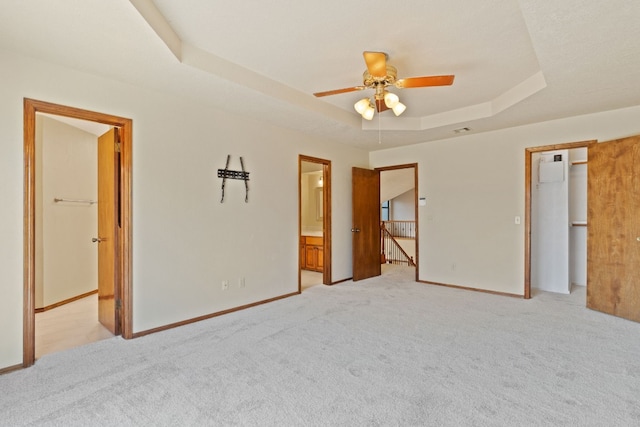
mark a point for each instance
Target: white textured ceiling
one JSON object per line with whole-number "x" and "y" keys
{"x": 515, "y": 62}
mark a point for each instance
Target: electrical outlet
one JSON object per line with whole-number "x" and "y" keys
{"x": 225, "y": 285}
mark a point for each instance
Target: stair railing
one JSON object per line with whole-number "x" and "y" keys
{"x": 392, "y": 252}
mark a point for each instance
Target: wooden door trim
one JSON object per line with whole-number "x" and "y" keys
{"x": 124, "y": 275}
{"x": 326, "y": 216}
{"x": 415, "y": 201}
{"x": 528, "y": 153}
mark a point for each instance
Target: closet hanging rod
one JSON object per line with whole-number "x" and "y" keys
{"x": 58, "y": 200}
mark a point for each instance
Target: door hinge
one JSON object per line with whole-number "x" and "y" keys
{"x": 118, "y": 304}
{"x": 118, "y": 148}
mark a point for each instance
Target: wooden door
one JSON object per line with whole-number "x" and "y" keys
{"x": 366, "y": 223}
{"x": 107, "y": 240}
{"x": 613, "y": 228}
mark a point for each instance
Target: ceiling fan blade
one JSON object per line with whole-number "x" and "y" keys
{"x": 376, "y": 63}
{"x": 425, "y": 81}
{"x": 338, "y": 91}
{"x": 381, "y": 106}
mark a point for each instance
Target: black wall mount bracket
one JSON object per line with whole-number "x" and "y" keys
{"x": 231, "y": 174}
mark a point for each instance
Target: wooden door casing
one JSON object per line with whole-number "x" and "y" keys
{"x": 325, "y": 239}
{"x": 124, "y": 251}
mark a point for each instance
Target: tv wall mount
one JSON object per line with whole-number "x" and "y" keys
{"x": 231, "y": 174}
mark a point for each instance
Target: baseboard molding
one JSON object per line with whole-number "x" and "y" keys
{"x": 67, "y": 301}
{"x": 11, "y": 369}
{"x": 209, "y": 316}
{"x": 341, "y": 281}
{"x": 486, "y": 291}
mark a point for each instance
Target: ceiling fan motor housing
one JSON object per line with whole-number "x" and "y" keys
{"x": 371, "y": 82}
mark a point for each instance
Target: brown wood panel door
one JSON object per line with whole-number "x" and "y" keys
{"x": 303, "y": 253}
{"x": 366, "y": 223}
{"x": 613, "y": 228}
{"x": 107, "y": 230}
{"x": 319, "y": 258}
{"x": 310, "y": 256}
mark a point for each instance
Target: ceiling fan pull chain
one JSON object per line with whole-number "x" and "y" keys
{"x": 379, "y": 131}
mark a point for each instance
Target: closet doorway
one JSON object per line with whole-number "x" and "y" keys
{"x": 112, "y": 233}
{"x": 539, "y": 229}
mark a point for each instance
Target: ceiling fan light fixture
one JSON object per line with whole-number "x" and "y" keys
{"x": 399, "y": 108}
{"x": 380, "y": 75}
{"x": 391, "y": 99}
{"x": 362, "y": 105}
{"x": 368, "y": 113}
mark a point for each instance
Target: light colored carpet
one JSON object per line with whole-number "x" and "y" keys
{"x": 384, "y": 351}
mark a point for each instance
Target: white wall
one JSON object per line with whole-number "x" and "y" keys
{"x": 185, "y": 242}
{"x": 403, "y": 207}
{"x": 68, "y": 169}
{"x": 474, "y": 187}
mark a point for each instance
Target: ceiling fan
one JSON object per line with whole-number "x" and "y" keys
{"x": 378, "y": 75}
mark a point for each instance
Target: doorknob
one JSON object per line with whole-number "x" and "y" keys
{"x": 97, "y": 240}
{"x": 355, "y": 230}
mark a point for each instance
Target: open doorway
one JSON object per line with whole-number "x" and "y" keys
{"x": 555, "y": 223}
{"x": 314, "y": 222}
{"x": 66, "y": 280}
{"x": 107, "y": 211}
{"x": 368, "y": 203}
{"x": 398, "y": 218}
